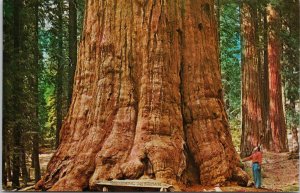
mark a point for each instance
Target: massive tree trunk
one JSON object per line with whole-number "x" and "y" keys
{"x": 251, "y": 88}
{"x": 147, "y": 99}
{"x": 276, "y": 115}
{"x": 267, "y": 136}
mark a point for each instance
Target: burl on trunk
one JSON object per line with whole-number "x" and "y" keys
{"x": 147, "y": 99}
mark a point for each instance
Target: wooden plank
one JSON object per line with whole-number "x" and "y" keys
{"x": 134, "y": 183}
{"x": 27, "y": 189}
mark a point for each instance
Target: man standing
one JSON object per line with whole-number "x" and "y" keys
{"x": 256, "y": 158}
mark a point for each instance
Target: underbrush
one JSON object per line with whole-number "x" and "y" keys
{"x": 236, "y": 131}
{"x": 291, "y": 188}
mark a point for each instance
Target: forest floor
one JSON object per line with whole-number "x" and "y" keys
{"x": 279, "y": 174}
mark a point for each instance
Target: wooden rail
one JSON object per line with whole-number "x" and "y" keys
{"x": 152, "y": 184}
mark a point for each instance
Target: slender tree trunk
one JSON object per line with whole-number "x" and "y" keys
{"x": 25, "y": 175}
{"x": 16, "y": 167}
{"x": 295, "y": 140}
{"x": 32, "y": 157}
{"x": 147, "y": 99}
{"x": 294, "y": 153}
{"x": 4, "y": 155}
{"x": 276, "y": 114}
{"x": 72, "y": 46}
{"x": 17, "y": 81}
{"x": 35, "y": 142}
{"x": 251, "y": 89}
{"x": 8, "y": 163}
{"x": 59, "y": 75}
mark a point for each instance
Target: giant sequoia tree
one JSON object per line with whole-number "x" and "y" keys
{"x": 276, "y": 115}
{"x": 147, "y": 99}
{"x": 263, "y": 120}
{"x": 251, "y": 88}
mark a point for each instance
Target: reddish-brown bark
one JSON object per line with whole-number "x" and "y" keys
{"x": 251, "y": 89}
{"x": 263, "y": 120}
{"x": 276, "y": 115}
{"x": 147, "y": 99}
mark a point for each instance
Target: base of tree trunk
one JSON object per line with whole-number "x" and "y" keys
{"x": 147, "y": 99}
{"x": 294, "y": 155}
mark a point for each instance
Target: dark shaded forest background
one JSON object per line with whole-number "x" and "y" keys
{"x": 40, "y": 52}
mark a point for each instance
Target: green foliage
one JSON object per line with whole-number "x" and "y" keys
{"x": 236, "y": 131}
{"x": 48, "y": 35}
{"x": 49, "y": 40}
{"x": 19, "y": 70}
{"x": 290, "y": 60}
{"x": 80, "y": 16}
{"x": 230, "y": 53}
{"x": 47, "y": 103}
{"x": 7, "y": 10}
{"x": 248, "y": 170}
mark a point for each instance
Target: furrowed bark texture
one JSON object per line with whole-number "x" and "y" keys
{"x": 147, "y": 99}
{"x": 251, "y": 89}
{"x": 276, "y": 115}
{"x": 267, "y": 136}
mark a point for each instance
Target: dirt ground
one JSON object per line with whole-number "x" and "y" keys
{"x": 278, "y": 174}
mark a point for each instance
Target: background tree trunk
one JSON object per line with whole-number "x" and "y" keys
{"x": 72, "y": 46}
{"x": 251, "y": 89}
{"x": 25, "y": 176}
{"x": 267, "y": 136}
{"x": 147, "y": 99}
{"x": 295, "y": 140}
{"x": 35, "y": 141}
{"x": 8, "y": 164}
{"x": 276, "y": 114}
{"x": 294, "y": 153}
{"x": 4, "y": 155}
{"x": 59, "y": 75}
{"x": 17, "y": 89}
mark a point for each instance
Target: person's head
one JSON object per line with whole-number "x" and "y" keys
{"x": 255, "y": 149}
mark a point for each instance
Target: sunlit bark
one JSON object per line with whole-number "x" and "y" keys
{"x": 276, "y": 115}
{"x": 147, "y": 99}
{"x": 251, "y": 88}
